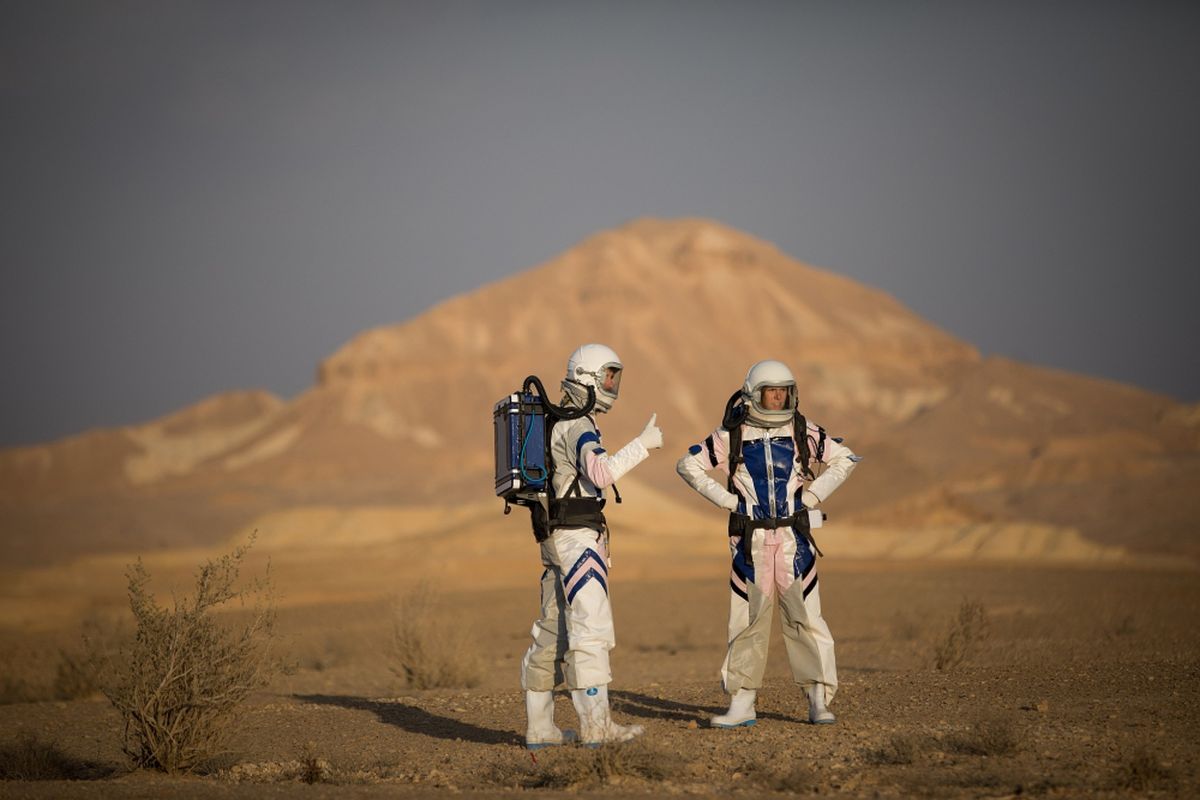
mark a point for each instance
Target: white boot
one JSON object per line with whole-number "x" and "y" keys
{"x": 595, "y": 723}
{"x": 540, "y": 730}
{"x": 741, "y": 711}
{"x": 818, "y": 714}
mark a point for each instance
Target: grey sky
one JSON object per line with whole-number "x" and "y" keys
{"x": 202, "y": 196}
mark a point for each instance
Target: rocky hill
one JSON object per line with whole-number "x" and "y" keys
{"x": 957, "y": 447}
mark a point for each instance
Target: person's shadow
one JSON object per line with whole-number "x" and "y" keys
{"x": 416, "y": 720}
{"x": 640, "y": 705}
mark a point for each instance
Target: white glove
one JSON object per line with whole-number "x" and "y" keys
{"x": 730, "y": 503}
{"x": 651, "y": 437}
{"x": 809, "y": 499}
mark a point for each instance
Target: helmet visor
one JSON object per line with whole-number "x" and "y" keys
{"x": 777, "y": 398}
{"x": 608, "y": 379}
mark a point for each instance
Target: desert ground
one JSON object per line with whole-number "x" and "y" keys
{"x": 1081, "y": 682}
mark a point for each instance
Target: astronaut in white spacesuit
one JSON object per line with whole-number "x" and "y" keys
{"x": 772, "y": 498}
{"x": 574, "y": 633}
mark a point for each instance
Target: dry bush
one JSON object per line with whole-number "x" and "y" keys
{"x": 430, "y": 650}
{"x": 77, "y": 676}
{"x": 17, "y": 690}
{"x": 776, "y": 771}
{"x": 966, "y": 630}
{"x": 31, "y": 759}
{"x": 633, "y": 759}
{"x": 992, "y": 737}
{"x": 583, "y": 768}
{"x": 313, "y": 768}
{"x": 901, "y": 748}
{"x": 36, "y": 671}
{"x": 1142, "y": 771}
{"x": 80, "y": 673}
{"x": 23, "y": 671}
{"x": 796, "y": 778}
{"x": 186, "y": 673}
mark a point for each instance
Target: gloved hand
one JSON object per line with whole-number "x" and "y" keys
{"x": 730, "y": 503}
{"x": 809, "y": 499}
{"x": 651, "y": 437}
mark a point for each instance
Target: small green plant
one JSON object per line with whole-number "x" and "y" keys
{"x": 186, "y": 673}
{"x": 430, "y": 650}
{"x": 966, "y": 630}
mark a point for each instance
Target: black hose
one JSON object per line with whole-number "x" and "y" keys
{"x": 735, "y": 412}
{"x": 559, "y": 412}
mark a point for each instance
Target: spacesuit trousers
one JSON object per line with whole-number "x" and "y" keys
{"x": 783, "y": 570}
{"x": 573, "y": 634}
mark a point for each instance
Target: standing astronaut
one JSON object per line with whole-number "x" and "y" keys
{"x": 574, "y": 633}
{"x": 771, "y": 494}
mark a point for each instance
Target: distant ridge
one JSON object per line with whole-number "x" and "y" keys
{"x": 400, "y": 415}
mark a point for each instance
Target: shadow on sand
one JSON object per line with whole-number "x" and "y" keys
{"x": 416, "y": 720}
{"x": 640, "y": 705}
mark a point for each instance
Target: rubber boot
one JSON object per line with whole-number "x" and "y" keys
{"x": 818, "y": 714}
{"x": 595, "y": 722}
{"x": 741, "y": 711}
{"x": 540, "y": 730}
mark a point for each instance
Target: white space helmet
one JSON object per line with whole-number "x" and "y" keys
{"x": 588, "y": 366}
{"x": 760, "y": 376}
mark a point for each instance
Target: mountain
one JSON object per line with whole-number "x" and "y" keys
{"x": 400, "y": 415}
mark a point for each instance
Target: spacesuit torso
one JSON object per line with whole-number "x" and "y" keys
{"x": 770, "y": 481}
{"x": 576, "y": 450}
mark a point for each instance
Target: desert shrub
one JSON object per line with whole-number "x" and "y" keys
{"x": 966, "y": 630}
{"x": 80, "y": 672}
{"x": 31, "y": 759}
{"x": 899, "y": 749}
{"x": 633, "y": 759}
{"x": 16, "y": 690}
{"x": 1142, "y": 771}
{"x": 992, "y": 737}
{"x": 313, "y": 768}
{"x": 431, "y": 650}
{"x": 581, "y": 767}
{"x": 776, "y": 771}
{"x": 77, "y": 675}
{"x": 795, "y": 778}
{"x": 23, "y": 671}
{"x": 186, "y": 672}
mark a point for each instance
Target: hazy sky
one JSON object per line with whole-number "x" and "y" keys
{"x": 203, "y": 196}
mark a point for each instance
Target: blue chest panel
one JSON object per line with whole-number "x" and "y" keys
{"x": 781, "y": 451}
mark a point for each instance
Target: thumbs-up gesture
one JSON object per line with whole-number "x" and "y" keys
{"x": 651, "y": 437}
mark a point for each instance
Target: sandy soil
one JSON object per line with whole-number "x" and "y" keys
{"x": 1086, "y": 685}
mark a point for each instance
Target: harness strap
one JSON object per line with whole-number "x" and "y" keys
{"x": 572, "y": 510}
{"x": 800, "y": 434}
{"x": 744, "y": 526}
